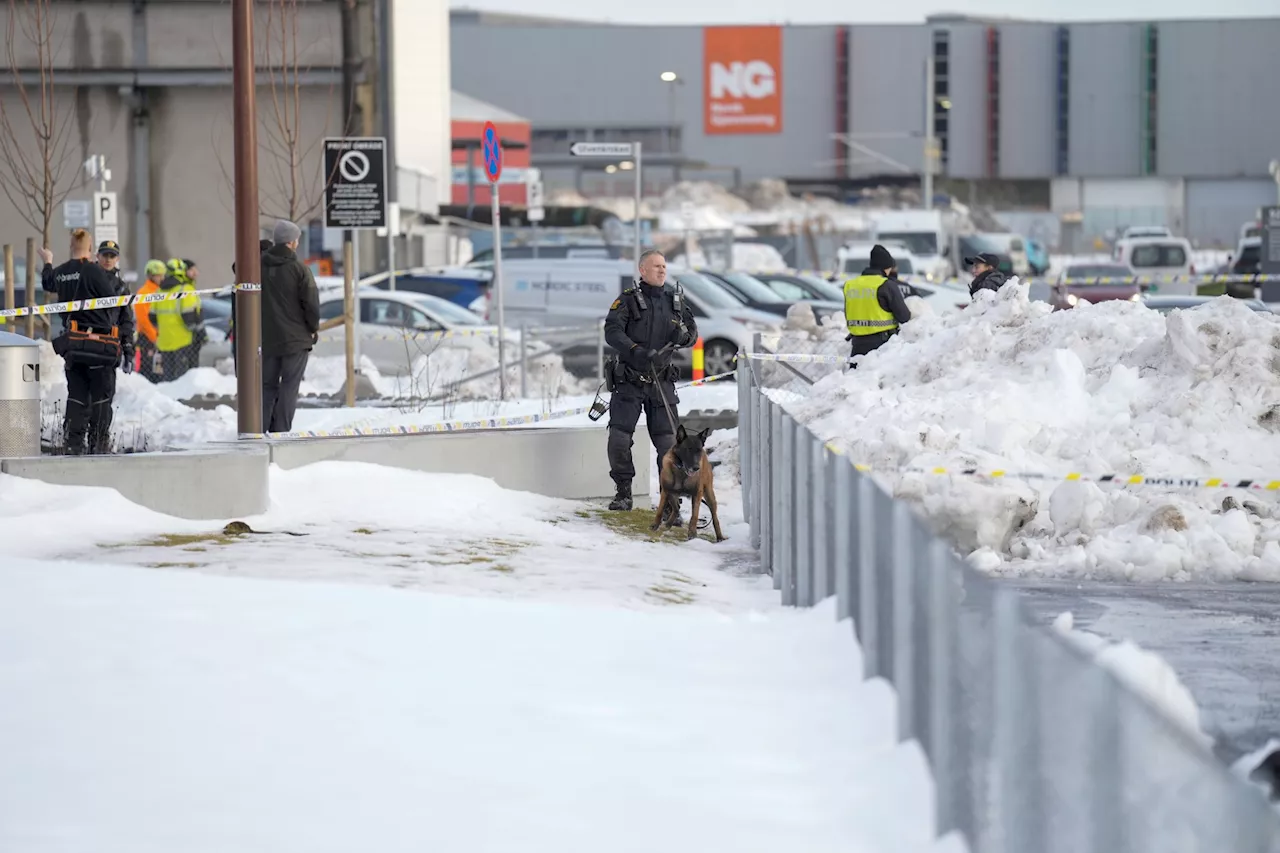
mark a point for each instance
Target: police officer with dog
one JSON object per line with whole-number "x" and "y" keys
{"x": 645, "y": 325}
{"x": 93, "y": 344}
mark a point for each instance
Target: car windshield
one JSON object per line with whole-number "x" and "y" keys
{"x": 1253, "y": 231}
{"x": 755, "y": 290}
{"x": 1099, "y": 271}
{"x": 454, "y": 315}
{"x": 1157, "y": 255}
{"x": 706, "y": 291}
{"x": 923, "y": 243}
{"x": 828, "y": 290}
{"x": 1250, "y": 256}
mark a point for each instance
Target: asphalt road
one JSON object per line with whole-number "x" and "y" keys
{"x": 1223, "y": 640}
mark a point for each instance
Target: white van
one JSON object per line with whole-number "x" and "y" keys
{"x": 924, "y": 232}
{"x": 1166, "y": 260}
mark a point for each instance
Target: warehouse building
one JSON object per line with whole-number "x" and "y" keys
{"x": 1105, "y": 124}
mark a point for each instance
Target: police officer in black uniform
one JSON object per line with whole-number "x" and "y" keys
{"x": 93, "y": 343}
{"x": 644, "y": 325}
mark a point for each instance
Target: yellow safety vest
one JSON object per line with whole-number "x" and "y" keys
{"x": 862, "y": 311}
{"x": 171, "y": 330}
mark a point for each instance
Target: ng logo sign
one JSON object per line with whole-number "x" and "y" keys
{"x": 742, "y": 74}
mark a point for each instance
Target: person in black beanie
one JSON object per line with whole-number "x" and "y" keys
{"x": 874, "y": 306}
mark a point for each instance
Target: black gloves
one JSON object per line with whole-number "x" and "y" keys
{"x": 127, "y": 362}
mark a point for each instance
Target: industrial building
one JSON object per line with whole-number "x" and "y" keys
{"x": 148, "y": 87}
{"x": 1103, "y": 124}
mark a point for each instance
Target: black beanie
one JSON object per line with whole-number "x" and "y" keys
{"x": 880, "y": 258}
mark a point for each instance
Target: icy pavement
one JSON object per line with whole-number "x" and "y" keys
{"x": 1219, "y": 638}
{"x": 435, "y": 664}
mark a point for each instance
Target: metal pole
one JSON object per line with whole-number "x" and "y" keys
{"x": 929, "y": 142}
{"x": 471, "y": 179}
{"x": 348, "y": 319}
{"x": 639, "y": 190}
{"x": 248, "y": 293}
{"x": 497, "y": 284}
{"x": 31, "y": 285}
{"x": 8, "y": 281}
{"x": 600, "y": 352}
{"x": 393, "y": 225}
{"x": 355, "y": 286}
{"x": 524, "y": 366}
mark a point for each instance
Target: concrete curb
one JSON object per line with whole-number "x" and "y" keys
{"x": 230, "y": 480}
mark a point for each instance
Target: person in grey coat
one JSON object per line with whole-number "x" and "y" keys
{"x": 290, "y": 326}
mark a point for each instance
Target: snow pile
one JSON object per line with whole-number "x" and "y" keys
{"x": 434, "y": 369}
{"x": 145, "y": 418}
{"x": 1010, "y": 385}
{"x": 758, "y": 257}
{"x": 1144, "y": 672}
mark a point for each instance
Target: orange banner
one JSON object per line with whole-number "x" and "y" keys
{"x": 742, "y": 80}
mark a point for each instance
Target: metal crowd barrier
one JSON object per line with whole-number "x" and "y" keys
{"x": 1034, "y": 747}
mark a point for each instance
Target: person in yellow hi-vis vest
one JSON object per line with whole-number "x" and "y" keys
{"x": 874, "y": 306}
{"x": 179, "y": 323}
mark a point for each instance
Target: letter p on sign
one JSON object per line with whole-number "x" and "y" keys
{"x": 742, "y": 73}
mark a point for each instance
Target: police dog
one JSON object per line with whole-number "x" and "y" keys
{"x": 687, "y": 472}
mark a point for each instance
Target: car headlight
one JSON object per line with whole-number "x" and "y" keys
{"x": 1137, "y": 297}
{"x": 1072, "y": 299}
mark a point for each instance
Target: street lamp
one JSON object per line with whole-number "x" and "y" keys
{"x": 672, "y": 79}
{"x": 610, "y": 169}
{"x": 669, "y": 76}
{"x": 626, "y": 165}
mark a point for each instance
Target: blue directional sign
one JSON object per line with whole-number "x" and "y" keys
{"x": 491, "y": 149}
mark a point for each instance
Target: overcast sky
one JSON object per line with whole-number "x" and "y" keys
{"x": 844, "y": 11}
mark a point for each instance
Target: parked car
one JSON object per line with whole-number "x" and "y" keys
{"x": 802, "y": 287}
{"x": 752, "y": 292}
{"x": 1094, "y": 283}
{"x": 942, "y": 297}
{"x": 1135, "y": 231}
{"x": 1165, "y": 304}
{"x": 381, "y": 313}
{"x": 463, "y": 286}
{"x": 726, "y": 325}
{"x": 853, "y": 258}
{"x": 1248, "y": 259}
{"x": 1164, "y": 262}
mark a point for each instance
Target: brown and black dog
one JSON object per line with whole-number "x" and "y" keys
{"x": 687, "y": 472}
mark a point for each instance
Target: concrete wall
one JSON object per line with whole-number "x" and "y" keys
{"x": 186, "y": 137}
{"x": 559, "y": 463}
{"x": 201, "y": 485}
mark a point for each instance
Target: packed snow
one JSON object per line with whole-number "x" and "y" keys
{"x": 151, "y": 416}
{"x": 1142, "y": 671}
{"x": 434, "y": 663}
{"x": 1009, "y": 385}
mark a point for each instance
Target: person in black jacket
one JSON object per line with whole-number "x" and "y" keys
{"x": 93, "y": 344}
{"x": 290, "y": 326}
{"x": 986, "y": 273}
{"x": 644, "y": 325}
{"x": 263, "y": 246}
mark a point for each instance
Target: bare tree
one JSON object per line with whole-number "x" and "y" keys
{"x": 291, "y": 154}
{"x": 38, "y": 169}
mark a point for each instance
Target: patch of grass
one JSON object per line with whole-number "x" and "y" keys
{"x": 502, "y": 567}
{"x": 196, "y": 548}
{"x": 635, "y": 524}
{"x": 172, "y": 565}
{"x": 178, "y": 540}
{"x": 582, "y": 513}
{"x": 471, "y": 559}
{"x": 669, "y": 594}
{"x": 363, "y": 531}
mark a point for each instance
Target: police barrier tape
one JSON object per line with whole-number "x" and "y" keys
{"x": 448, "y": 426}
{"x": 1073, "y": 477}
{"x": 105, "y": 302}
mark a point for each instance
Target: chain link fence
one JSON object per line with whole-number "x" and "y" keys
{"x": 1033, "y": 746}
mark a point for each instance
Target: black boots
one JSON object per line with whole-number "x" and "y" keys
{"x": 622, "y": 500}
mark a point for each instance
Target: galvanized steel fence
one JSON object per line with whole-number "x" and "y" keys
{"x": 1034, "y": 747}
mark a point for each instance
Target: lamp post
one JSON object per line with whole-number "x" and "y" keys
{"x": 672, "y": 79}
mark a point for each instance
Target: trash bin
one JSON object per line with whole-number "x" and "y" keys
{"x": 19, "y": 396}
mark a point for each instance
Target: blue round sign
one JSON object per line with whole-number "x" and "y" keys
{"x": 491, "y": 150}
